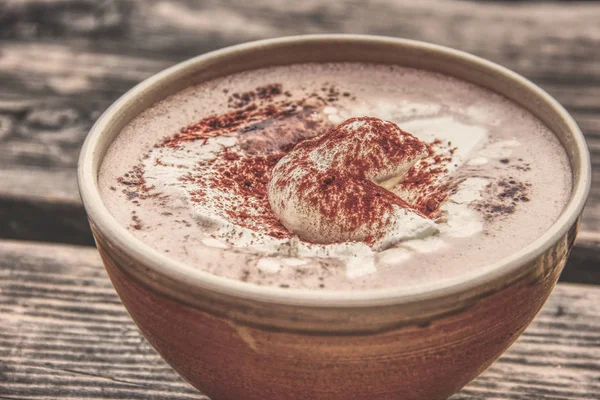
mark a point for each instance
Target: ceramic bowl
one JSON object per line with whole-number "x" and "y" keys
{"x": 233, "y": 340}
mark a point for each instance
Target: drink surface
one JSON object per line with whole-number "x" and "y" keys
{"x": 190, "y": 175}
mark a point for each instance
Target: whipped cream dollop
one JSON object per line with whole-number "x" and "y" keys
{"x": 332, "y": 188}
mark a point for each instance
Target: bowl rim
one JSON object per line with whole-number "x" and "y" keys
{"x": 197, "y": 280}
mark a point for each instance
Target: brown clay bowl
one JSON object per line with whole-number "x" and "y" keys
{"x": 233, "y": 340}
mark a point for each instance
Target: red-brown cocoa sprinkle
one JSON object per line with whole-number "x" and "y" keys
{"x": 137, "y": 223}
{"x": 424, "y": 180}
{"x": 396, "y": 149}
{"x": 505, "y": 196}
{"x": 135, "y": 183}
{"x": 344, "y": 192}
{"x": 246, "y": 177}
{"x": 358, "y": 202}
{"x": 217, "y": 125}
{"x": 230, "y": 156}
{"x": 267, "y": 92}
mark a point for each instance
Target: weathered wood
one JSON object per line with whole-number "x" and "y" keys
{"x": 65, "y": 334}
{"x": 63, "y": 331}
{"x": 62, "y": 62}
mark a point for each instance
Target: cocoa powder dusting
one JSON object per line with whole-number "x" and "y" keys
{"x": 503, "y": 198}
{"x": 135, "y": 184}
{"x": 344, "y": 191}
{"x": 247, "y": 112}
{"x": 261, "y": 93}
{"x": 245, "y": 175}
{"x": 253, "y": 111}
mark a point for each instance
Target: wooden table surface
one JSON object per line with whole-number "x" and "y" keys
{"x": 63, "y": 331}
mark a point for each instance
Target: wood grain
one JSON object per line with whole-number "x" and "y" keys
{"x": 63, "y": 331}
{"x": 65, "y": 334}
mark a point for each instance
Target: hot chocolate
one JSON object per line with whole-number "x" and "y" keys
{"x": 336, "y": 176}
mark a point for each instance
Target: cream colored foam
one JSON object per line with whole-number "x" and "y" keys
{"x": 484, "y": 127}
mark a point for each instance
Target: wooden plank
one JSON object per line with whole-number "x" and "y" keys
{"x": 65, "y": 334}
{"x": 62, "y": 62}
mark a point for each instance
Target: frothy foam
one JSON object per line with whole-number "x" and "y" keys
{"x": 202, "y": 197}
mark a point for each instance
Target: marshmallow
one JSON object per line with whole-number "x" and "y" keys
{"x": 328, "y": 189}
